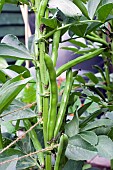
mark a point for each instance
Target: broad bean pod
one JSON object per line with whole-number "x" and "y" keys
{"x": 53, "y": 97}
{"x": 64, "y": 101}
{"x": 78, "y": 60}
{"x": 61, "y": 152}
{"x": 55, "y": 45}
{"x": 96, "y": 39}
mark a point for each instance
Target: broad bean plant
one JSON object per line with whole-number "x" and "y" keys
{"x": 64, "y": 124}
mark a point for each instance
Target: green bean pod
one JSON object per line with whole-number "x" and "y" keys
{"x": 36, "y": 143}
{"x": 78, "y": 60}
{"x": 53, "y": 97}
{"x": 64, "y": 102}
{"x": 96, "y": 39}
{"x": 61, "y": 152}
{"x": 55, "y": 45}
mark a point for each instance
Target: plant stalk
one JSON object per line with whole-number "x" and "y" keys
{"x": 1, "y": 141}
{"x": 44, "y": 102}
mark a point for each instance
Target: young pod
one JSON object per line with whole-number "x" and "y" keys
{"x": 53, "y": 97}
{"x": 61, "y": 152}
{"x": 64, "y": 102}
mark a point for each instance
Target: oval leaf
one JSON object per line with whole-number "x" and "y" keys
{"x": 79, "y": 149}
{"x": 66, "y": 6}
{"x": 105, "y": 147}
{"x": 7, "y": 51}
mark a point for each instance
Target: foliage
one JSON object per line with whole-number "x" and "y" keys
{"x": 80, "y": 109}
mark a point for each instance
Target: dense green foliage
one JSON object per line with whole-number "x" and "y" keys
{"x": 29, "y": 95}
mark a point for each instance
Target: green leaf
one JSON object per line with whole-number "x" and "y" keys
{"x": 7, "y": 51}
{"x": 86, "y": 166}
{"x": 50, "y": 22}
{"x": 92, "y": 77}
{"x": 82, "y": 7}
{"x": 85, "y": 50}
{"x": 17, "y": 112}
{"x": 3, "y": 63}
{"x": 25, "y": 145}
{"x": 92, "y": 6}
{"x": 2, "y": 77}
{"x": 78, "y": 29}
{"x": 90, "y": 118}
{"x": 9, "y": 73}
{"x": 73, "y": 98}
{"x": 70, "y": 48}
{"x": 10, "y": 90}
{"x": 104, "y": 2}
{"x": 92, "y": 27}
{"x": 79, "y": 149}
{"x": 109, "y": 115}
{"x": 72, "y": 128}
{"x": 28, "y": 95}
{"x": 103, "y": 130}
{"x": 11, "y": 42}
{"x": 80, "y": 79}
{"x": 2, "y": 2}
{"x": 105, "y": 9}
{"x": 21, "y": 164}
{"x": 17, "y": 2}
{"x": 97, "y": 91}
{"x": 26, "y": 163}
{"x": 83, "y": 108}
{"x": 95, "y": 98}
{"x": 90, "y": 137}
{"x": 11, "y": 152}
{"x": 78, "y": 43}
{"x": 8, "y": 125}
{"x": 20, "y": 69}
{"x": 99, "y": 69}
{"x": 66, "y": 6}
{"x": 84, "y": 1}
{"x": 105, "y": 147}
{"x": 10, "y": 165}
{"x": 98, "y": 123}
{"x": 110, "y": 107}
{"x": 73, "y": 165}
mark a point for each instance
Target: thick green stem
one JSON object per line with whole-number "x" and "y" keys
{"x": 111, "y": 164}
{"x": 61, "y": 28}
{"x": 44, "y": 79}
{"x": 1, "y": 141}
{"x": 40, "y": 32}
{"x": 39, "y": 92}
{"x": 38, "y": 80}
